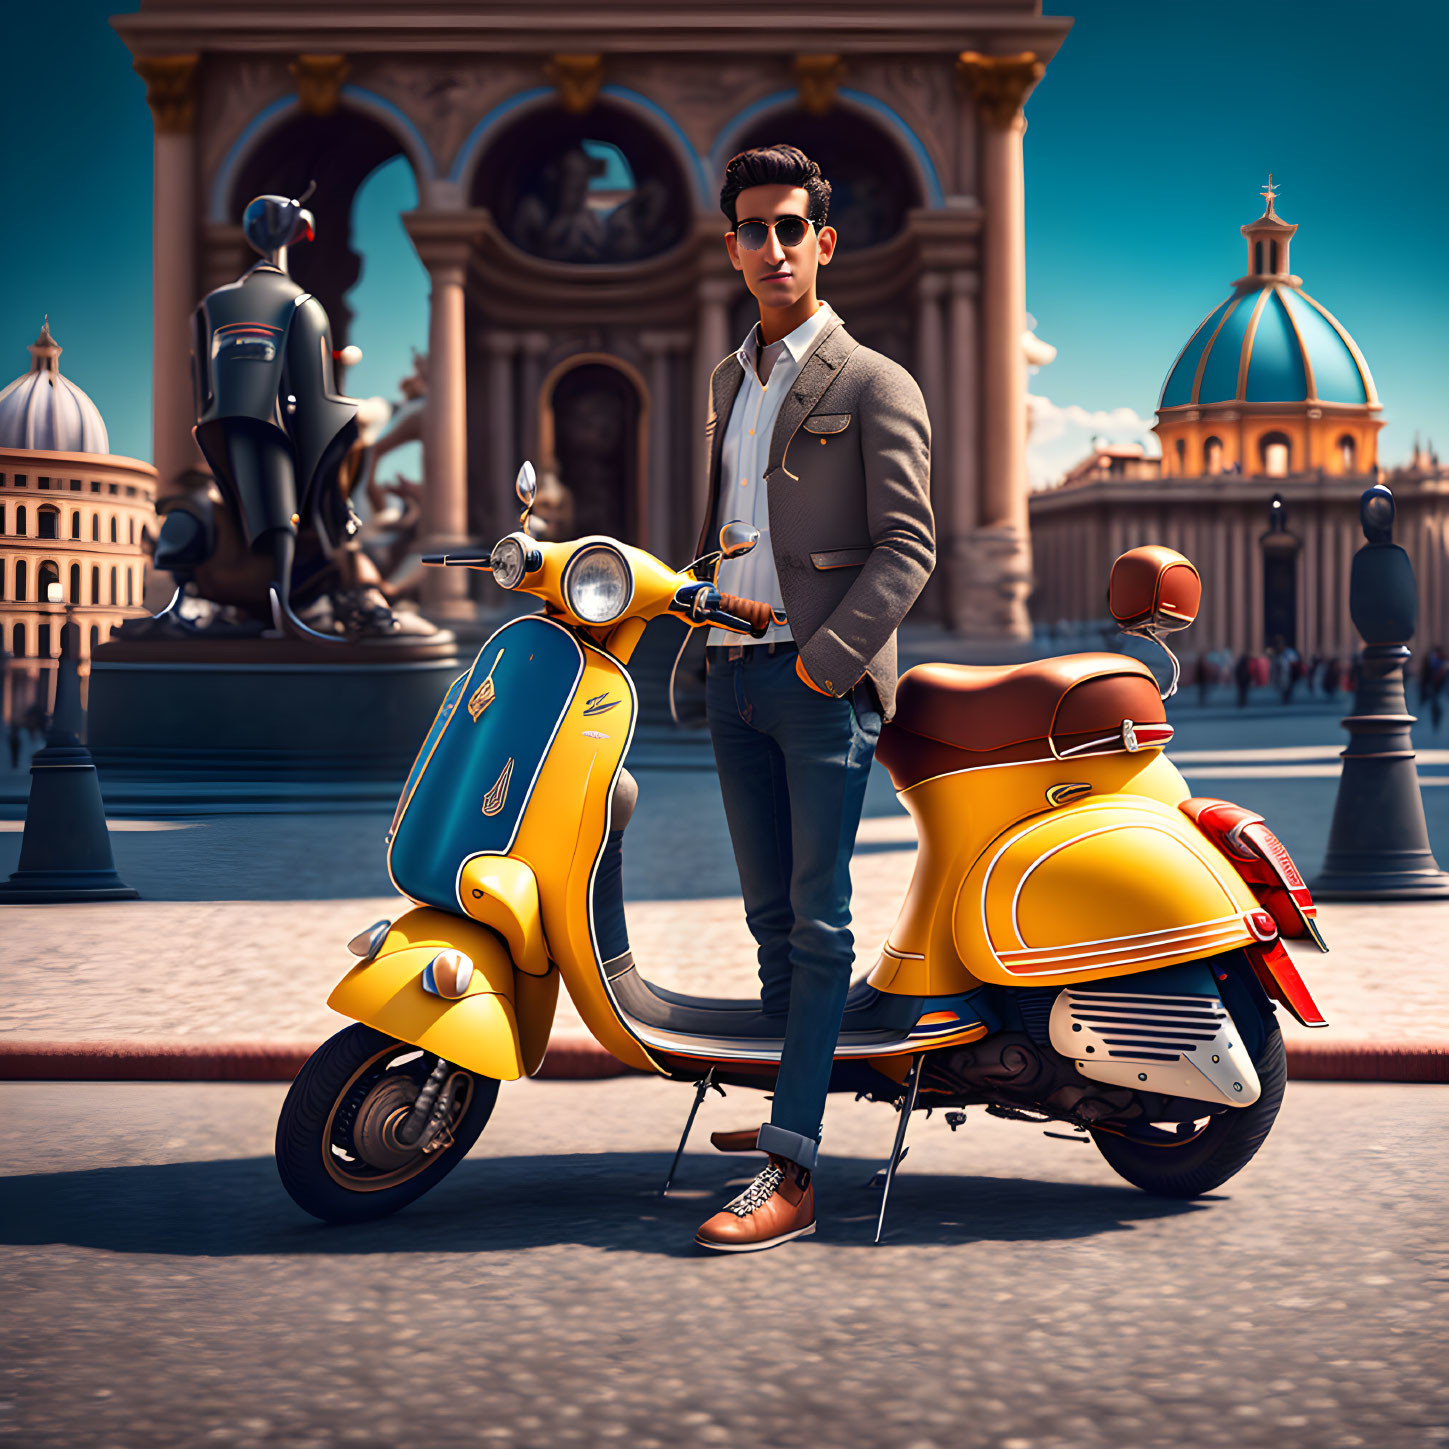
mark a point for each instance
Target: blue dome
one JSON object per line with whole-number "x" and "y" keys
{"x": 1271, "y": 344}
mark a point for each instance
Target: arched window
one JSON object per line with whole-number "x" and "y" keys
{"x": 131, "y": 528}
{"x": 1182, "y": 455}
{"x": 113, "y": 586}
{"x": 20, "y": 520}
{"x": 48, "y": 580}
{"x": 130, "y": 585}
{"x": 1348, "y": 452}
{"x": 75, "y": 584}
{"x": 75, "y": 523}
{"x": 48, "y": 522}
{"x": 95, "y": 584}
{"x": 20, "y": 580}
{"x": 1258, "y": 257}
{"x": 95, "y": 528}
{"x": 1276, "y": 452}
{"x": 17, "y": 640}
{"x": 1212, "y": 456}
{"x": 42, "y": 642}
{"x": 1272, "y": 256}
{"x": 114, "y": 539}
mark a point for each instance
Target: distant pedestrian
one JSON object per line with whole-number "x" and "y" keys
{"x": 1332, "y": 672}
{"x": 1243, "y": 677}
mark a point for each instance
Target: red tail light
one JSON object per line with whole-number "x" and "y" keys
{"x": 1262, "y": 861}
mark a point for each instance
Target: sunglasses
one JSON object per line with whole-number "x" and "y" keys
{"x": 790, "y": 230}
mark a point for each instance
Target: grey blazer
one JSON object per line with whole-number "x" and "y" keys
{"x": 850, "y": 507}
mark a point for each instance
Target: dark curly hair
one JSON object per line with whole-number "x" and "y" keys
{"x": 775, "y": 166}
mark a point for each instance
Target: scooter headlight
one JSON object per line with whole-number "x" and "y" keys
{"x": 598, "y": 584}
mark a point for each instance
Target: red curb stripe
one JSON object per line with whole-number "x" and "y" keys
{"x": 148, "y": 1061}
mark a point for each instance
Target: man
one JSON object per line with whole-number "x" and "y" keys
{"x": 824, "y": 446}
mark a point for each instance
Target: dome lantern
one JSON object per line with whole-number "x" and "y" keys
{"x": 1268, "y": 239}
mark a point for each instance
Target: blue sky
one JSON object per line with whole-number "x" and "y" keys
{"x": 1149, "y": 140}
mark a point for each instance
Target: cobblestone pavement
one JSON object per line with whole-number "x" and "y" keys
{"x": 544, "y": 1295}
{"x": 241, "y": 931}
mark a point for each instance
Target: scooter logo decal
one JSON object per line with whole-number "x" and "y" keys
{"x": 493, "y": 800}
{"x": 485, "y": 694}
{"x": 1060, "y": 794}
{"x": 600, "y": 704}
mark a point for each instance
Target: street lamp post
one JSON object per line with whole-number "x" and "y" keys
{"x": 1378, "y": 845}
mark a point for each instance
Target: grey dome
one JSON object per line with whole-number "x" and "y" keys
{"x": 43, "y": 410}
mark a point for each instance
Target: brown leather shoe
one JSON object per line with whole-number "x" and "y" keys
{"x": 777, "y": 1206}
{"x": 741, "y": 1141}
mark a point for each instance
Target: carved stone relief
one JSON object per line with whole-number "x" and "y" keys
{"x": 231, "y": 93}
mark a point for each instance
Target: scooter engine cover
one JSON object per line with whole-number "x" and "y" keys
{"x": 1171, "y": 1036}
{"x": 474, "y": 776}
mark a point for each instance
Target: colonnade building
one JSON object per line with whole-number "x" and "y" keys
{"x": 568, "y": 159}
{"x": 1269, "y": 421}
{"x": 72, "y": 528}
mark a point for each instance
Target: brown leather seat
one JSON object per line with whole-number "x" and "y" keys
{"x": 957, "y": 716}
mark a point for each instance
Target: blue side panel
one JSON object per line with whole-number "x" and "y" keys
{"x": 1177, "y": 390}
{"x": 472, "y": 789}
{"x": 1275, "y": 366}
{"x": 1220, "y": 376}
{"x": 1335, "y": 373}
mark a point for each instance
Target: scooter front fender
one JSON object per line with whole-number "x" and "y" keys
{"x": 1111, "y": 885}
{"x": 480, "y": 1030}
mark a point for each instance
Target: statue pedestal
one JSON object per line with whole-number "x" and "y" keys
{"x": 180, "y": 723}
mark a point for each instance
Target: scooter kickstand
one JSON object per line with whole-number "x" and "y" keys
{"x": 700, "y": 1088}
{"x": 898, "y": 1151}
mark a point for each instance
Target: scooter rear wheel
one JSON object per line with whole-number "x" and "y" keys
{"x": 1209, "y": 1157}
{"x": 338, "y": 1150}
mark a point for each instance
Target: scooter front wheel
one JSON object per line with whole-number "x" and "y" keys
{"x": 344, "y": 1150}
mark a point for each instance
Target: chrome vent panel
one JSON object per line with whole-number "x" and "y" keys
{"x": 1185, "y": 1046}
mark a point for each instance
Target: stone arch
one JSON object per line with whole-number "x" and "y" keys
{"x": 410, "y": 143}
{"x": 286, "y": 148}
{"x": 524, "y": 105}
{"x": 589, "y": 388}
{"x": 609, "y": 185}
{"x": 889, "y": 143}
{"x": 47, "y": 574}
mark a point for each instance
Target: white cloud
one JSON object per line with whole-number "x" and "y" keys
{"x": 1062, "y": 436}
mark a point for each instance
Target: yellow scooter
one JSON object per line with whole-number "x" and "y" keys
{"x": 1082, "y": 943}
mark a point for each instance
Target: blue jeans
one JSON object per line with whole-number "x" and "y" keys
{"x": 793, "y": 765}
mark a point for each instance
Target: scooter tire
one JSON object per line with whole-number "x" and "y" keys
{"x": 1222, "y": 1149}
{"x": 307, "y": 1130}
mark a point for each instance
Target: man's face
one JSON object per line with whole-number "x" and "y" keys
{"x": 778, "y": 276}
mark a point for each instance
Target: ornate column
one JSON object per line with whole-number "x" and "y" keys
{"x": 1000, "y": 85}
{"x": 503, "y": 464}
{"x": 171, "y": 94}
{"x": 533, "y": 346}
{"x": 664, "y": 504}
{"x": 712, "y": 341}
{"x": 445, "y": 241}
{"x": 929, "y": 368}
{"x": 972, "y": 598}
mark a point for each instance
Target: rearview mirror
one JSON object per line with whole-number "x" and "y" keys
{"x": 526, "y": 484}
{"x": 737, "y": 539}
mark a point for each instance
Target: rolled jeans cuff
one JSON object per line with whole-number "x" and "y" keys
{"x": 784, "y": 1143}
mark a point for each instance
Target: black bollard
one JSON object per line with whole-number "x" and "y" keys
{"x": 1378, "y": 846}
{"x": 65, "y": 853}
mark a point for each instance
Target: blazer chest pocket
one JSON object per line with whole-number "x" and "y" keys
{"x": 827, "y": 422}
{"x": 840, "y": 558}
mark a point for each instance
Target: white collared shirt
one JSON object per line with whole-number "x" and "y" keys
{"x": 744, "y": 456}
